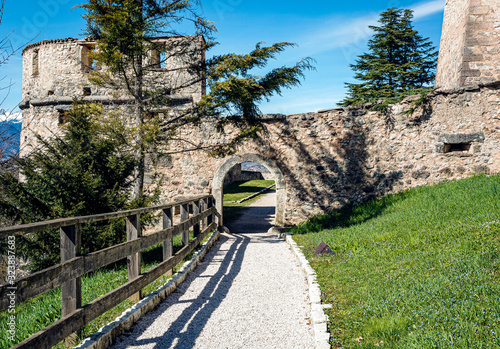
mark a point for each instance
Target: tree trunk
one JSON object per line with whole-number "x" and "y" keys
{"x": 138, "y": 122}
{"x": 139, "y": 156}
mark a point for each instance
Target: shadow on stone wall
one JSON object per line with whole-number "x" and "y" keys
{"x": 423, "y": 115}
{"x": 348, "y": 215}
{"x": 322, "y": 179}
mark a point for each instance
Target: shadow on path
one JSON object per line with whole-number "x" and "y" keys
{"x": 258, "y": 217}
{"x": 219, "y": 267}
{"x": 188, "y": 326}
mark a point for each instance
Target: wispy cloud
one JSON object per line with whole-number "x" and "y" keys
{"x": 340, "y": 36}
{"x": 305, "y": 100}
{"x": 424, "y": 9}
{"x": 350, "y": 34}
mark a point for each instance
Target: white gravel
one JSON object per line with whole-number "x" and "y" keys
{"x": 248, "y": 292}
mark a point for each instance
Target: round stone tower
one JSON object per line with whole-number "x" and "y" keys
{"x": 57, "y": 71}
{"x": 469, "y": 52}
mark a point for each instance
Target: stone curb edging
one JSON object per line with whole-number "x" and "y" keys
{"x": 108, "y": 333}
{"x": 318, "y": 317}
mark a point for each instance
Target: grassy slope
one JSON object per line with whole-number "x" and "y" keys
{"x": 415, "y": 270}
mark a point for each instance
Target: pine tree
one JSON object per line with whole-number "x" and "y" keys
{"x": 400, "y": 62}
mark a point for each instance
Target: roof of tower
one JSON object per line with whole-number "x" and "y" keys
{"x": 55, "y": 41}
{"x": 91, "y": 40}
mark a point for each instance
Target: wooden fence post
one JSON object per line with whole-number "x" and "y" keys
{"x": 217, "y": 216}
{"x": 134, "y": 261}
{"x": 210, "y": 203}
{"x": 185, "y": 217}
{"x": 71, "y": 291}
{"x": 196, "y": 211}
{"x": 204, "y": 205}
{"x": 168, "y": 246}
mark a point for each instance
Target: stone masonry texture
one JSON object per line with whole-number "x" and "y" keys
{"x": 470, "y": 43}
{"x": 56, "y": 71}
{"x": 347, "y": 155}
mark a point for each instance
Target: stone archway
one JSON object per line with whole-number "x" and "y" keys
{"x": 218, "y": 182}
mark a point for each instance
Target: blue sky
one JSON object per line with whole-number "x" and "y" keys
{"x": 334, "y": 33}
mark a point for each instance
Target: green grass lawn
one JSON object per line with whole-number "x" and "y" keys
{"x": 42, "y": 311}
{"x": 237, "y": 191}
{"x": 419, "y": 269}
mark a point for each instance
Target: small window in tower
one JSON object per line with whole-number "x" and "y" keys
{"x": 88, "y": 64}
{"x": 63, "y": 117}
{"x": 158, "y": 59}
{"x": 163, "y": 60}
{"x": 456, "y": 147}
{"x": 35, "y": 63}
{"x": 87, "y": 91}
{"x": 155, "y": 59}
{"x": 50, "y": 93}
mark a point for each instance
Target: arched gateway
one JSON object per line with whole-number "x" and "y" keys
{"x": 232, "y": 161}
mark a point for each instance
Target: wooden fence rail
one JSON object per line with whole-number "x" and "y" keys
{"x": 73, "y": 265}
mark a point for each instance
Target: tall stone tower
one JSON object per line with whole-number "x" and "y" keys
{"x": 470, "y": 43}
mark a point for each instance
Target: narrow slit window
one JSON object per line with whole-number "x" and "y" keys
{"x": 155, "y": 59}
{"x": 163, "y": 60}
{"x": 87, "y": 91}
{"x": 35, "y": 63}
{"x": 157, "y": 56}
{"x": 457, "y": 147}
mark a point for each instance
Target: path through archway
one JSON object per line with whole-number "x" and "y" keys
{"x": 218, "y": 182}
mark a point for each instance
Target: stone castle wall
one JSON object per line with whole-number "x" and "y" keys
{"x": 236, "y": 174}
{"x": 321, "y": 160}
{"x": 347, "y": 155}
{"x": 452, "y": 42}
{"x": 469, "y": 52}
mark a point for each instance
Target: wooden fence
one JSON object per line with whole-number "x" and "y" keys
{"x": 73, "y": 265}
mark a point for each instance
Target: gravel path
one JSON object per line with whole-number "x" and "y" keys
{"x": 248, "y": 292}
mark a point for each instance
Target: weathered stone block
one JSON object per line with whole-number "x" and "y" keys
{"x": 468, "y": 27}
{"x": 439, "y": 148}
{"x": 420, "y": 174}
{"x": 455, "y": 138}
{"x": 482, "y": 169}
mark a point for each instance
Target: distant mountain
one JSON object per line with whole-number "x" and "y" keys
{"x": 10, "y": 116}
{"x": 10, "y": 134}
{"x": 253, "y": 167}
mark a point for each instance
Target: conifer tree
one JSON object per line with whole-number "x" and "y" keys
{"x": 400, "y": 62}
{"x": 86, "y": 170}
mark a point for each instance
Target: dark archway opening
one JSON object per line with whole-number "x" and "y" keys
{"x": 235, "y": 161}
